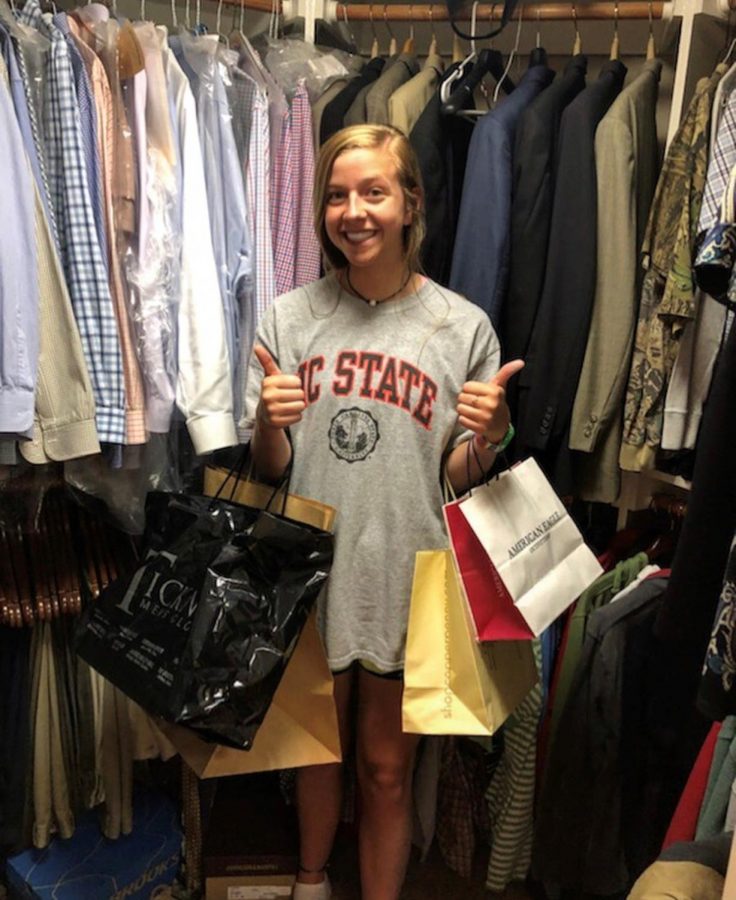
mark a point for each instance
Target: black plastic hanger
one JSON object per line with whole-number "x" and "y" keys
{"x": 489, "y": 62}
{"x": 538, "y": 56}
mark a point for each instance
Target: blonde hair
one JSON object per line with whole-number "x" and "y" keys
{"x": 396, "y": 144}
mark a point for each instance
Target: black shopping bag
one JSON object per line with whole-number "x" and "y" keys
{"x": 201, "y": 632}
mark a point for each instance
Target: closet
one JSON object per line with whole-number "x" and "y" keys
{"x": 690, "y": 37}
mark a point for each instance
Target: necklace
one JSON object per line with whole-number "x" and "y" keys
{"x": 370, "y": 301}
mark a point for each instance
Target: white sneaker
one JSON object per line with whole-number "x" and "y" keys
{"x": 322, "y": 891}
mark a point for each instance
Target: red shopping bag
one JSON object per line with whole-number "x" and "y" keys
{"x": 536, "y": 560}
{"x": 492, "y": 608}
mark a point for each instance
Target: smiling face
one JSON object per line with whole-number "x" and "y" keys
{"x": 366, "y": 211}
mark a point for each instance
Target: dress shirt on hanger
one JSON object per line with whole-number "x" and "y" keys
{"x": 204, "y": 391}
{"x": 19, "y": 291}
{"x": 85, "y": 269}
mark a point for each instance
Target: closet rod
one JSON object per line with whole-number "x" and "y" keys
{"x": 258, "y": 5}
{"x": 437, "y": 12}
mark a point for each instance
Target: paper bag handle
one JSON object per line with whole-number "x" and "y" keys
{"x": 237, "y": 470}
{"x": 448, "y": 491}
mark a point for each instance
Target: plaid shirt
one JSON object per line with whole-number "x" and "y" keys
{"x": 307, "y": 253}
{"x": 81, "y": 255}
{"x": 89, "y": 129}
{"x": 283, "y": 220}
{"x": 135, "y": 426}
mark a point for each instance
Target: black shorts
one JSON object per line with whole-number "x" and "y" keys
{"x": 371, "y": 669}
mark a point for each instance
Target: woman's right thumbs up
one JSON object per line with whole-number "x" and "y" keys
{"x": 282, "y": 397}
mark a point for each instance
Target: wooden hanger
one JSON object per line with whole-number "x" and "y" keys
{"x": 651, "y": 49}
{"x": 56, "y": 563}
{"x": 11, "y": 610}
{"x": 408, "y": 46}
{"x": 433, "y": 40}
{"x": 42, "y": 593}
{"x": 615, "y": 44}
{"x": 577, "y": 47}
{"x": 375, "y": 49}
{"x": 91, "y": 568}
{"x": 393, "y": 47}
{"x": 66, "y": 556}
{"x": 19, "y": 568}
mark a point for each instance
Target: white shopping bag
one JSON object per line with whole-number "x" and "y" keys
{"x": 531, "y": 541}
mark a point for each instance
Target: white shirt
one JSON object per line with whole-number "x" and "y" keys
{"x": 204, "y": 391}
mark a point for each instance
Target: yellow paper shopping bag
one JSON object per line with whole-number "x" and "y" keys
{"x": 452, "y": 684}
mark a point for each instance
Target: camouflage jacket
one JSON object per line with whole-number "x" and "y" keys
{"x": 668, "y": 289}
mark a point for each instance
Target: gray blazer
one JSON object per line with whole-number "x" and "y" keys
{"x": 376, "y": 101}
{"x": 627, "y": 162}
{"x": 356, "y": 115}
{"x": 371, "y": 104}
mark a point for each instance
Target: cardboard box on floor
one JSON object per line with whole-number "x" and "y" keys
{"x": 250, "y": 849}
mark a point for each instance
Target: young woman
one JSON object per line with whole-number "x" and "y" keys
{"x": 381, "y": 377}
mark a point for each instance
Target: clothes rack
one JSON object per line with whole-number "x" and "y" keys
{"x": 437, "y": 12}
{"x": 699, "y": 24}
{"x": 332, "y": 11}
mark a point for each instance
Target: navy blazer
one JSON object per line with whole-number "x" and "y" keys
{"x": 535, "y": 156}
{"x": 481, "y": 253}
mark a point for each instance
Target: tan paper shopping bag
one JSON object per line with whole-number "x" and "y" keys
{"x": 452, "y": 684}
{"x": 300, "y": 728}
{"x": 241, "y": 489}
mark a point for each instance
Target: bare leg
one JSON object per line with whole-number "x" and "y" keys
{"x": 385, "y": 767}
{"x": 319, "y": 796}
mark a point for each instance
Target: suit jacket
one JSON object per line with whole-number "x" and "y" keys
{"x": 626, "y": 159}
{"x": 548, "y": 383}
{"x": 334, "y": 113}
{"x": 535, "y": 155}
{"x": 628, "y": 737}
{"x": 357, "y": 114}
{"x": 322, "y": 102}
{"x": 377, "y": 98}
{"x": 441, "y": 145}
{"x": 480, "y": 256}
{"x": 579, "y": 832}
{"x": 407, "y": 102}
